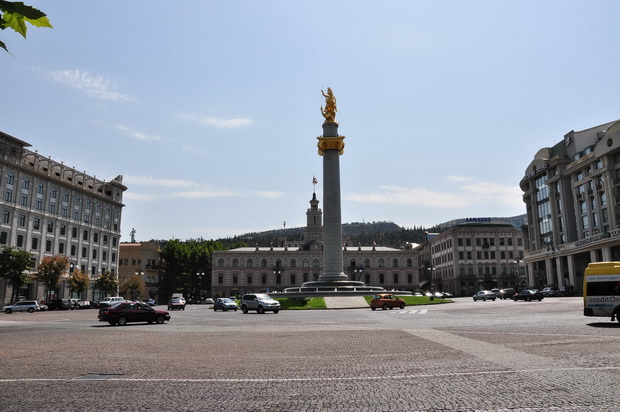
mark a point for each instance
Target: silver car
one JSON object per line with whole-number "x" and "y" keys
{"x": 24, "y": 306}
{"x": 485, "y": 295}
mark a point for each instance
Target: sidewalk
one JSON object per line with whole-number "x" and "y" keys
{"x": 346, "y": 302}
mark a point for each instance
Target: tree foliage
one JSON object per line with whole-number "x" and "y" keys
{"x": 182, "y": 261}
{"x": 107, "y": 283}
{"x": 13, "y": 266}
{"x": 133, "y": 285}
{"x": 15, "y": 15}
{"x": 50, "y": 270}
{"x": 79, "y": 282}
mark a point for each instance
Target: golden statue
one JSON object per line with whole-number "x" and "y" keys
{"x": 329, "y": 113}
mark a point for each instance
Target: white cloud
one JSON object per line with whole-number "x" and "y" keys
{"x": 478, "y": 193}
{"x": 269, "y": 194}
{"x": 93, "y": 85}
{"x": 458, "y": 179}
{"x": 217, "y": 122}
{"x": 135, "y": 134}
{"x": 202, "y": 194}
{"x": 151, "y": 181}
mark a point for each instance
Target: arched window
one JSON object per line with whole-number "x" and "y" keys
{"x": 263, "y": 278}
{"x": 249, "y": 279}
{"x": 315, "y": 263}
{"x": 305, "y": 277}
{"x": 292, "y": 279}
{"x": 381, "y": 278}
{"x": 26, "y": 184}
{"x": 315, "y": 276}
{"x": 220, "y": 278}
{"x": 10, "y": 178}
{"x": 367, "y": 263}
{"x": 235, "y": 279}
{"x": 220, "y": 263}
{"x": 395, "y": 278}
{"x": 394, "y": 263}
{"x": 235, "y": 263}
{"x": 250, "y": 263}
{"x": 409, "y": 278}
{"x": 263, "y": 263}
{"x": 278, "y": 278}
{"x": 381, "y": 263}
{"x": 293, "y": 263}
{"x": 409, "y": 263}
{"x": 306, "y": 264}
{"x": 352, "y": 263}
{"x": 367, "y": 278}
{"x": 278, "y": 263}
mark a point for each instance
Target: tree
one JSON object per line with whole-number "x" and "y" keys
{"x": 15, "y": 15}
{"x": 133, "y": 285}
{"x": 49, "y": 271}
{"x": 107, "y": 283}
{"x": 13, "y": 266}
{"x": 79, "y": 282}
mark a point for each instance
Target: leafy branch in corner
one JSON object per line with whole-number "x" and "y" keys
{"x": 15, "y": 15}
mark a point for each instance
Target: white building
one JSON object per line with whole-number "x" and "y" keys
{"x": 48, "y": 208}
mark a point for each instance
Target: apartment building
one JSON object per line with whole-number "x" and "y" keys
{"x": 48, "y": 208}
{"x": 142, "y": 259}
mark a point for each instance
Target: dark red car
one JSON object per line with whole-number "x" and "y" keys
{"x": 125, "y": 312}
{"x": 385, "y": 301}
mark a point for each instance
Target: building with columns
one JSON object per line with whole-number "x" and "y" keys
{"x": 48, "y": 208}
{"x": 268, "y": 269}
{"x": 572, "y": 195}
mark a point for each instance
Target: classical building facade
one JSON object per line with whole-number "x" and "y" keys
{"x": 266, "y": 269}
{"x": 142, "y": 259}
{"x": 474, "y": 256}
{"x": 48, "y": 208}
{"x": 572, "y": 195}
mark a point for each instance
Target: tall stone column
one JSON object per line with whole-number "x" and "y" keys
{"x": 331, "y": 146}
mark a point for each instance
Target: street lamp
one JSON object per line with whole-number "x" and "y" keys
{"x": 517, "y": 274}
{"x": 199, "y": 275}
{"x": 357, "y": 272}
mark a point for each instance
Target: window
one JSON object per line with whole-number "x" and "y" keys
{"x": 293, "y": 263}
{"x": 381, "y": 263}
{"x": 61, "y": 248}
{"x": 63, "y": 230}
{"x": 36, "y": 223}
{"x": 249, "y": 263}
{"x": 21, "y": 220}
{"x": 94, "y": 253}
{"x": 10, "y": 178}
{"x": 395, "y": 278}
{"x": 315, "y": 263}
{"x": 35, "y": 243}
{"x": 263, "y": 278}
{"x": 24, "y": 201}
{"x": 220, "y": 278}
{"x": 84, "y": 252}
{"x": 20, "y": 240}
{"x": 293, "y": 279}
{"x": 95, "y": 237}
{"x": 235, "y": 263}
{"x": 263, "y": 263}
{"x": 235, "y": 278}
{"x": 394, "y": 263}
{"x": 8, "y": 195}
{"x": 220, "y": 263}
{"x": 85, "y": 235}
{"x": 40, "y": 188}
{"x": 48, "y": 245}
{"x": 249, "y": 279}
{"x": 3, "y": 237}
{"x": 50, "y": 227}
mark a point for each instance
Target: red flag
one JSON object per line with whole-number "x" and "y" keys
{"x": 314, "y": 181}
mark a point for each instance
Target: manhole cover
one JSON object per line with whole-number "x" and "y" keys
{"x": 97, "y": 376}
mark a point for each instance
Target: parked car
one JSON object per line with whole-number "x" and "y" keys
{"x": 485, "y": 295}
{"x": 507, "y": 293}
{"x": 29, "y": 306}
{"x": 209, "y": 301}
{"x": 385, "y": 301}
{"x": 260, "y": 302}
{"x": 151, "y": 302}
{"x": 109, "y": 301}
{"x": 85, "y": 304}
{"x": 496, "y": 291}
{"x": 528, "y": 295}
{"x": 59, "y": 304}
{"x": 124, "y": 312}
{"x": 225, "y": 304}
{"x": 176, "y": 303}
{"x": 551, "y": 292}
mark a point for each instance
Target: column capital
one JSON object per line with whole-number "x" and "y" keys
{"x": 330, "y": 143}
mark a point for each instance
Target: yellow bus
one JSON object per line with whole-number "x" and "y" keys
{"x": 601, "y": 290}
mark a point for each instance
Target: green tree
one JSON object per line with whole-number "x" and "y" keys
{"x": 79, "y": 282}
{"x": 49, "y": 271}
{"x": 13, "y": 266}
{"x": 133, "y": 285}
{"x": 107, "y": 283}
{"x": 15, "y": 15}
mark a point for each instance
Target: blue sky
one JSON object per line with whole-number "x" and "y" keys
{"x": 210, "y": 109}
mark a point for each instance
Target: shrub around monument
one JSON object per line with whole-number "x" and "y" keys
{"x": 302, "y": 303}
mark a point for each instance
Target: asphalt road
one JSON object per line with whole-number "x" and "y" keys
{"x": 462, "y": 356}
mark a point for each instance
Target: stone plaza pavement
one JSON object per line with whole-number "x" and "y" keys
{"x": 465, "y": 356}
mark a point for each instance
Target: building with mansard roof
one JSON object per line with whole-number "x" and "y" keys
{"x": 48, "y": 208}
{"x": 274, "y": 268}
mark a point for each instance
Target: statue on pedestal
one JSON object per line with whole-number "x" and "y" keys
{"x": 329, "y": 113}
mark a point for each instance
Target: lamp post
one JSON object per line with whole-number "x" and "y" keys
{"x": 357, "y": 272}
{"x": 517, "y": 274}
{"x": 199, "y": 275}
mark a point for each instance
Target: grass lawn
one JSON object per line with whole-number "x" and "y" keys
{"x": 302, "y": 303}
{"x": 416, "y": 300}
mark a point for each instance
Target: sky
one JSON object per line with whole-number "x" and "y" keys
{"x": 211, "y": 109}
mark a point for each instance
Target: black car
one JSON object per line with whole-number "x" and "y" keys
{"x": 125, "y": 312}
{"x": 507, "y": 293}
{"x": 528, "y": 295}
{"x": 59, "y": 304}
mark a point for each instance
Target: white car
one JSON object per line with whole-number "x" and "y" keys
{"x": 29, "y": 306}
{"x": 485, "y": 295}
